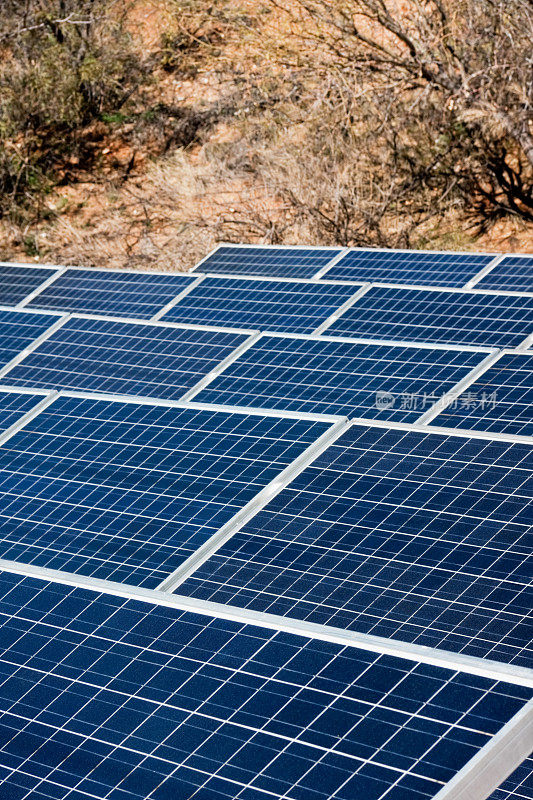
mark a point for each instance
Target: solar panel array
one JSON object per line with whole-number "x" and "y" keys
{"x": 397, "y": 266}
{"x": 440, "y": 316}
{"x": 125, "y": 358}
{"x": 124, "y": 294}
{"x": 288, "y": 306}
{"x": 421, "y": 537}
{"x": 266, "y": 533}
{"x": 340, "y": 377}
{"x": 282, "y": 262}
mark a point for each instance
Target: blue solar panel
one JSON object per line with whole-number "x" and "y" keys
{"x": 518, "y": 786}
{"x": 279, "y": 262}
{"x": 283, "y": 306}
{"x": 500, "y": 400}
{"x": 104, "y": 697}
{"x": 124, "y": 358}
{"x": 17, "y": 282}
{"x": 398, "y": 266}
{"x": 513, "y": 273}
{"x": 18, "y": 329}
{"x": 14, "y": 405}
{"x": 123, "y": 294}
{"x": 336, "y": 377}
{"x": 128, "y": 491}
{"x": 412, "y": 536}
{"x": 433, "y": 316}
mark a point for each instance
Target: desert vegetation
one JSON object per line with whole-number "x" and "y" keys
{"x": 140, "y": 132}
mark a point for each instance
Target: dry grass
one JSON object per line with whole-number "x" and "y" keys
{"x": 257, "y": 175}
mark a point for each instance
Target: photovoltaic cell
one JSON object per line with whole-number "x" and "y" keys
{"x": 419, "y": 537}
{"x": 500, "y": 400}
{"x": 433, "y": 316}
{"x": 278, "y": 262}
{"x": 14, "y": 405}
{"x": 336, "y": 377}
{"x": 283, "y": 306}
{"x": 17, "y": 282}
{"x": 518, "y": 786}
{"x": 124, "y": 358}
{"x": 18, "y": 329}
{"x": 123, "y": 294}
{"x": 127, "y": 491}
{"x": 107, "y": 698}
{"x": 397, "y": 266}
{"x": 513, "y": 273}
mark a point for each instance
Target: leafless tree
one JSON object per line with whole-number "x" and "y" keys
{"x": 430, "y": 104}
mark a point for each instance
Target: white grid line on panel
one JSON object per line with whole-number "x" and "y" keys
{"x": 36, "y": 342}
{"x": 242, "y": 410}
{"x": 256, "y": 504}
{"x": 275, "y": 279}
{"x": 344, "y": 307}
{"x": 495, "y": 761}
{"x": 130, "y": 270}
{"x": 29, "y": 266}
{"x": 167, "y": 324}
{"x": 494, "y": 670}
{"x": 22, "y": 390}
{"x": 464, "y": 433}
{"x": 314, "y": 337}
{"x": 176, "y": 299}
{"x": 482, "y": 272}
{"x": 407, "y": 250}
{"x": 206, "y": 380}
{"x": 34, "y": 311}
{"x": 28, "y": 416}
{"x": 452, "y": 289}
{"x": 443, "y": 402}
{"x": 29, "y": 297}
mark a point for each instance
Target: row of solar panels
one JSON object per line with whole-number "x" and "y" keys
{"x": 448, "y": 316}
{"x": 476, "y": 388}
{"x": 397, "y": 531}
{"x": 430, "y": 268}
{"x": 392, "y": 530}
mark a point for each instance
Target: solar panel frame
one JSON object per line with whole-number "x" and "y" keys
{"x": 205, "y": 264}
{"x": 336, "y": 324}
{"x": 36, "y": 301}
{"x": 375, "y": 275}
{"x": 50, "y": 354}
{"x": 224, "y": 309}
{"x": 518, "y": 785}
{"x": 496, "y": 748}
{"x": 212, "y": 595}
{"x": 296, "y": 401}
{"x": 213, "y": 518}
